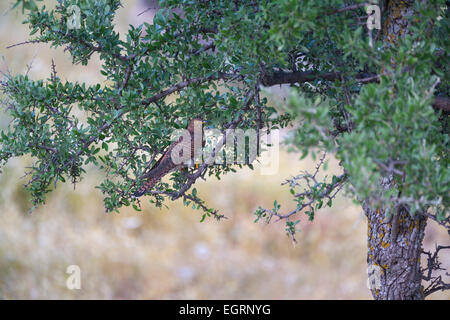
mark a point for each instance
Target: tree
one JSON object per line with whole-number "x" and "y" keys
{"x": 376, "y": 99}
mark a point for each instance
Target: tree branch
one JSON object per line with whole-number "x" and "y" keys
{"x": 283, "y": 77}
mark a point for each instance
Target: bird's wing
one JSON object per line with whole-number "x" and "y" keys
{"x": 156, "y": 172}
{"x": 156, "y": 164}
{"x": 165, "y": 154}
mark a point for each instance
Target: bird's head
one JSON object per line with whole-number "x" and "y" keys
{"x": 195, "y": 121}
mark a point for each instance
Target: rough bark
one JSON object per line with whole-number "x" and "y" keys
{"x": 394, "y": 250}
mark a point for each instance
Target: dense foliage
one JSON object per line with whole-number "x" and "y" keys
{"x": 377, "y": 102}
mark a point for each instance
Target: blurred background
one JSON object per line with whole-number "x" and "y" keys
{"x": 167, "y": 253}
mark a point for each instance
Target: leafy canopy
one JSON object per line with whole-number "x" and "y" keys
{"x": 213, "y": 58}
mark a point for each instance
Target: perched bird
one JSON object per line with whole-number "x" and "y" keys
{"x": 174, "y": 157}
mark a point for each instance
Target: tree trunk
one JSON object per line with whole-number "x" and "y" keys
{"x": 395, "y": 245}
{"x": 394, "y": 250}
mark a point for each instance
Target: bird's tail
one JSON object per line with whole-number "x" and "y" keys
{"x": 139, "y": 193}
{"x": 147, "y": 186}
